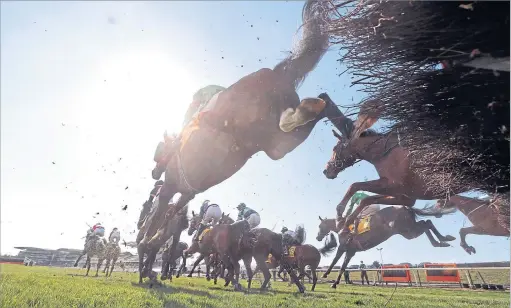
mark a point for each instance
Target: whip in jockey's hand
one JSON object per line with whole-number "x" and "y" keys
{"x": 249, "y": 215}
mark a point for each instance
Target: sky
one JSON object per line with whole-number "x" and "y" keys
{"x": 88, "y": 88}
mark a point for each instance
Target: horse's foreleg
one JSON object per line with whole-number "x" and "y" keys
{"x": 165, "y": 197}
{"x": 141, "y": 252}
{"x": 87, "y": 263}
{"x": 79, "y": 258}
{"x": 112, "y": 268}
{"x": 470, "y": 230}
{"x": 347, "y": 259}
{"x": 279, "y": 274}
{"x": 100, "y": 261}
{"x": 340, "y": 251}
{"x": 199, "y": 259}
{"x": 106, "y": 266}
{"x": 293, "y": 277}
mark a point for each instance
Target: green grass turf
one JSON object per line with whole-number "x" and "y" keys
{"x": 22, "y": 286}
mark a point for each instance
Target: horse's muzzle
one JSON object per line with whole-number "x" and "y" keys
{"x": 329, "y": 175}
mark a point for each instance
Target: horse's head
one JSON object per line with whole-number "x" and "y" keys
{"x": 325, "y": 227}
{"x": 225, "y": 219}
{"x": 344, "y": 155}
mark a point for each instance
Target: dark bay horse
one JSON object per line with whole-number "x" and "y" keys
{"x": 268, "y": 242}
{"x": 169, "y": 259}
{"x": 304, "y": 255}
{"x": 175, "y": 227}
{"x": 398, "y": 184}
{"x": 226, "y": 240}
{"x": 260, "y": 112}
{"x": 480, "y": 213}
{"x": 382, "y": 225}
{"x": 195, "y": 247}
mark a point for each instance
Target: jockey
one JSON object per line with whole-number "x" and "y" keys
{"x": 209, "y": 213}
{"x": 355, "y": 200}
{"x": 288, "y": 238}
{"x": 98, "y": 230}
{"x": 146, "y": 207}
{"x": 167, "y": 150}
{"x": 249, "y": 215}
{"x": 115, "y": 236}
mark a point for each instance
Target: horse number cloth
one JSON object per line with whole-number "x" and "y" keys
{"x": 364, "y": 225}
{"x": 292, "y": 252}
{"x": 204, "y": 233}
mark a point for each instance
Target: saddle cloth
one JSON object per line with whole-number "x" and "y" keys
{"x": 203, "y": 233}
{"x": 364, "y": 225}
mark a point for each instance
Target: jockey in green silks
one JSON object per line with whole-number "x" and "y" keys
{"x": 355, "y": 200}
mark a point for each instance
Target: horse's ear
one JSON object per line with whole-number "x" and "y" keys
{"x": 336, "y": 134}
{"x": 368, "y": 115}
{"x": 228, "y": 214}
{"x": 223, "y": 214}
{"x": 320, "y": 218}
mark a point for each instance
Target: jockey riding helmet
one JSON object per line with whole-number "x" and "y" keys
{"x": 241, "y": 206}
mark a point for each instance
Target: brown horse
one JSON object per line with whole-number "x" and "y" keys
{"x": 382, "y": 225}
{"x": 175, "y": 227}
{"x": 169, "y": 259}
{"x": 268, "y": 242}
{"x": 480, "y": 213}
{"x": 195, "y": 247}
{"x": 398, "y": 183}
{"x": 227, "y": 241}
{"x": 303, "y": 255}
{"x": 260, "y": 112}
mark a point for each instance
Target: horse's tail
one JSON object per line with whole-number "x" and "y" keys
{"x": 329, "y": 246}
{"x": 432, "y": 210}
{"x": 310, "y": 49}
{"x": 300, "y": 234}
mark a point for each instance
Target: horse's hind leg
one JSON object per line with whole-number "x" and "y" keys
{"x": 314, "y": 278}
{"x": 79, "y": 258}
{"x": 199, "y": 259}
{"x": 261, "y": 265}
{"x": 418, "y": 228}
{"x": 247, "y": 261}
{"x": 87, "y": 263}
{"x": 347, "y": 259}
{"x": 440, "y": 237}
{"x": 469, "y": 230}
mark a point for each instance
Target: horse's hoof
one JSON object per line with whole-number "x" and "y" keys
{"x": 333, "y": 286}
{"x": 208, "y": 278}
{"x": 472, "y": 249}
{"x": 448, "y": 238}
{"x": 76, "y": 264}
{"x": 442, "y": 244}
{"x": 325, "y": 275}
{"x": 163, "y": 277}
{"x": 189, "y": 275}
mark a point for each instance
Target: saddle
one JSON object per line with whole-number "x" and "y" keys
{"x": 364, "y": 225}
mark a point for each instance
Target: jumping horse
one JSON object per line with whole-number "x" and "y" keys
{"x": 398, "y": 184}
{"x": 480, "y": 213}
{"x": 379, "y": 227}
{"x": 260, "y": 112}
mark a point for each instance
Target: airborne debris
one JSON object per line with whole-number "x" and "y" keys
{"x": 124, "y": 208}
{"x": 126, "y": 188}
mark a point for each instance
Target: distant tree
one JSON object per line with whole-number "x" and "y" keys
{"x": 376, "y": 264}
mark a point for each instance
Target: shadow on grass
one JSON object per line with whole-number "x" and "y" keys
{"x": 162, "y": 288}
